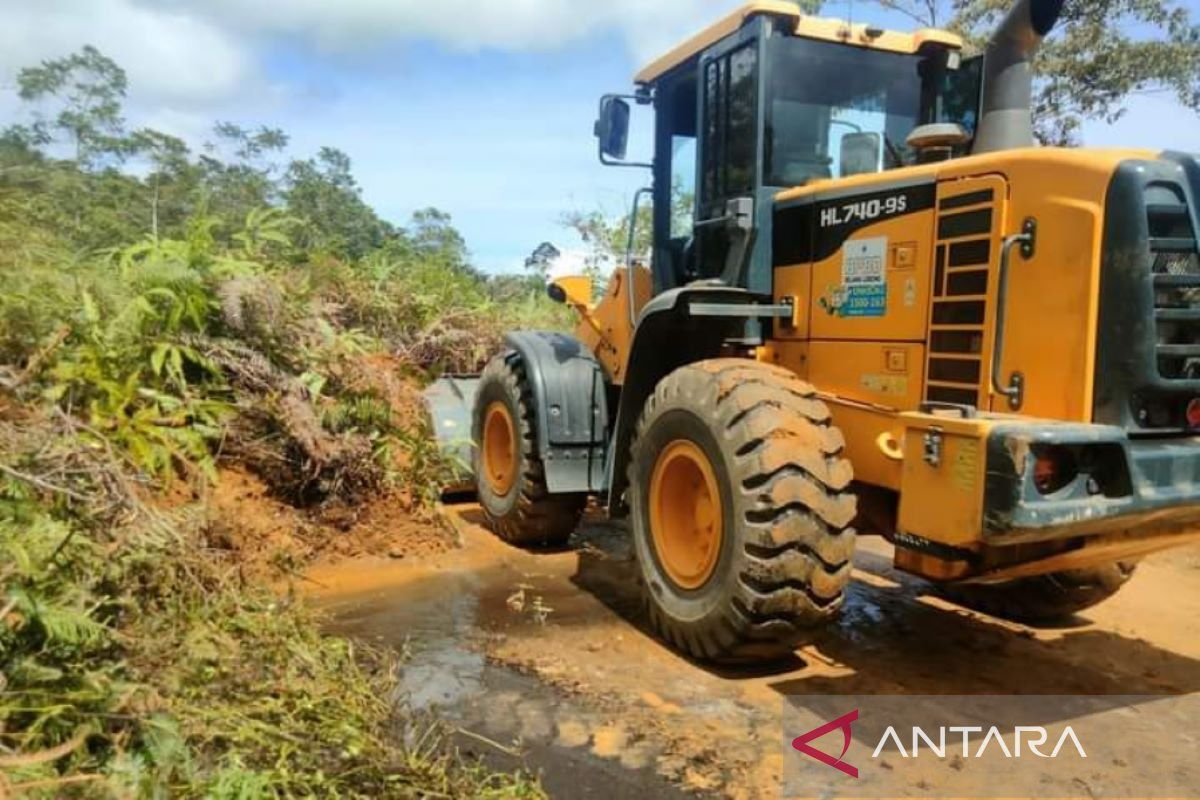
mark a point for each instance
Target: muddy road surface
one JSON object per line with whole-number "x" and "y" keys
{"x": 544, "y": 661}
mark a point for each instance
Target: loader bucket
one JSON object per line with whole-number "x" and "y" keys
{"x": 451, "y": 401}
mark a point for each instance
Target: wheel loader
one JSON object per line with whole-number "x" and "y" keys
{"x": 873, "y": 306}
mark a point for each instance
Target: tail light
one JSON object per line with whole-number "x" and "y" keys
{"x": 1054, "y": 469}
{"x": 1193, "y": 413}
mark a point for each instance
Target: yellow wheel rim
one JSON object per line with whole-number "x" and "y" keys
{"x": 499, "y": 448}
{"x": 686, "y": 523}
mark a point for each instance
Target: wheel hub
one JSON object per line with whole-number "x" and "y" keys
{"x": 499, "y": 448}
{"x": 686, "y": 520}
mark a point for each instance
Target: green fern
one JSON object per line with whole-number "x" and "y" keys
{"x": 360, "y": 413}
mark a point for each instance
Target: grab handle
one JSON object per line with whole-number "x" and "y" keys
{"x": 629, "y": 245}
{"x": 1015, "y": 390}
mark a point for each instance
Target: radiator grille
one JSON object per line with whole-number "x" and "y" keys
{"x": 1175, "y": 269}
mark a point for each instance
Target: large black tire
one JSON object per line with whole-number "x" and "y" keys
{"x": 1043, "y": 598}
{"x": 785, "y": 554}
{"x": 525, "y": 513}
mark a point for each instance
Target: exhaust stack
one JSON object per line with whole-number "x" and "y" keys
{"x": 1006, "y": 119}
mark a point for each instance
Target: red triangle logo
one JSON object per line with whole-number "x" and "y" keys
{"x": 801, "y": 743}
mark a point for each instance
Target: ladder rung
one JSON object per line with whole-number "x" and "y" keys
{"x": 1178, "y": 350}
{"x": 934, "y": 355}
{"x": 1173, "y": 245}
{"x": 1166, "y": 209}
{"x": 1176, "y": 281}
{"x": 1177, "y": 314}
{"x": 951, "y": 385}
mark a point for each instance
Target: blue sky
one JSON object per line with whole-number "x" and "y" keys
{"x": 500, "y": 140}
{"x": 481, "y": 108}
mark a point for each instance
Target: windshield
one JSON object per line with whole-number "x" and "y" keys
{"x": 835, "y": 110}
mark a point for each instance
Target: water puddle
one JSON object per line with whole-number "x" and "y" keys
{"x": 441, "y": 621}
{"x": 612, "y": 710}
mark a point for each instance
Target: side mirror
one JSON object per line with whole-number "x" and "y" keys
{"x": 573, "y": 290}
{"x": 612, "y": 128}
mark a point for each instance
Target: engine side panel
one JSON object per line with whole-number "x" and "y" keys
{"x": 1052, "y": 308}
{"x": 852, "y": 260}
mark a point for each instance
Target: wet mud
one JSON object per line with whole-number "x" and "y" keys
{"x": 544, "y": 660}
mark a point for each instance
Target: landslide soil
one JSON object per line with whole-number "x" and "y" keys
{"x": 253, "y": 511}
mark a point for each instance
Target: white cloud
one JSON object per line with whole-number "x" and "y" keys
{"x": 170, "y": 56}
{"x": 190, "y": 58}
{"x": 350, "y": 25}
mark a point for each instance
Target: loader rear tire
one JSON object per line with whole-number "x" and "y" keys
{"x": 1043, "y": 598}
{"x": 509, "y": 475}
{"x": 741, "y": 509}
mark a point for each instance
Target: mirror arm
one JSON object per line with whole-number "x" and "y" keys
{"x": 608, "y": 162}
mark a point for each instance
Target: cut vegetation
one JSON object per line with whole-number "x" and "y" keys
{"x": 224, "y": 330}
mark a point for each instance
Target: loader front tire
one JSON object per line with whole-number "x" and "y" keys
{"x": 509, "y": 475}
{"x": 740, "y": 507}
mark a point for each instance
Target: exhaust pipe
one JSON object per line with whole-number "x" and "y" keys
{"x": 1006, "y": 119}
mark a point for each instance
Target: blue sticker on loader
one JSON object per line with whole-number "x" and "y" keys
{"x": 863, "y": 292}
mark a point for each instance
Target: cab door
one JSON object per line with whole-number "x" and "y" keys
{"x": 729, "y": 169}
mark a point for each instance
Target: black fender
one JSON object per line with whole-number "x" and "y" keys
{"x": 570, "y": 396}
{"x": 669, "y": 336}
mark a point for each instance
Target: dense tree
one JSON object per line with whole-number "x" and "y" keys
{"x": 434, "y": 237}
{"x": 88, "y": 90}
{"x": 249, "y": 147}
{"x": 324, "y": 195}
{"x": 930, "y": 13}
{"x": 238, "y": 171}
{"x": 171, "y": 181}
{"x": 607, "y": 239}
{"x": 116, "y": 186}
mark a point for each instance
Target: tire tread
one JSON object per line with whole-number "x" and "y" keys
{"x": 791, "y": 486}
{"x": 538, "y": 518}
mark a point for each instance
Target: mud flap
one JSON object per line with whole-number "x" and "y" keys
{"x": 450, "y": 402}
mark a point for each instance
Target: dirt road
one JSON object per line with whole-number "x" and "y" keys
{"x": 545, "y": 655}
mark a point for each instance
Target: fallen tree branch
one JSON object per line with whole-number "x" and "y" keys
{"x": 33, "y": 480}
{"x": 34, "y": 365}
{"x": 46, "y": 783}
{"x": 44, "y": 756}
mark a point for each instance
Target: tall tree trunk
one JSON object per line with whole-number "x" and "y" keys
{"x": 154, "y": 211}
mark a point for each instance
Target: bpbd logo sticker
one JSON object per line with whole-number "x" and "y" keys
{"x": 863, "y": 292}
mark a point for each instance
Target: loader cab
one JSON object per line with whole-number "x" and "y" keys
{"x": 769, "y": 99}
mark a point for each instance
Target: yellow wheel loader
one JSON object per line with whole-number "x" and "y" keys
{"x": 873, "y": 306}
